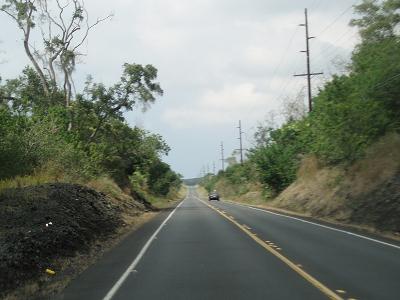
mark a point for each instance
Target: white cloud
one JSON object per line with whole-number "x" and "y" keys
{"x": 217, "y": 107}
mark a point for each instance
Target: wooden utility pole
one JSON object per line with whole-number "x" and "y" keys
{"x": 240, "y": 140}
{"x": 307, "y": 51}
{"x": 222, "y": 156}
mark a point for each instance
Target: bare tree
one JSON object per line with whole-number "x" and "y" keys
{"x": 263, "y": 129}
{"x": 2, "y": 61}
{"x": 64, "y": 27}
{"x": 23, "y": 13}
{"x": 294, "y": 108}
{"x": 63, "y": 33}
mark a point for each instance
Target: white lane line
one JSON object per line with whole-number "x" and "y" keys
{"x": 320, "y": 225}
{"x": 132, "y": 266}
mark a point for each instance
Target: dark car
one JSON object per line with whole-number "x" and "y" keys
{"x": 213, "y": 196}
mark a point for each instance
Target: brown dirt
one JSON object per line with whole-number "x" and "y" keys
{"x": 366, "y": 193}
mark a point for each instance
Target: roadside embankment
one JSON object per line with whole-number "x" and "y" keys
{"x": 51, "y": 232}
{"x": 365, "y": 194}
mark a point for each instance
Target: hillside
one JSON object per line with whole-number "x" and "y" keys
{"x": 365, "y": 193}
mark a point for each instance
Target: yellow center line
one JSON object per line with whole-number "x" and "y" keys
{"x": 316, "y": 283}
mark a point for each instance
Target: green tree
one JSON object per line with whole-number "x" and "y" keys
{"x": 277, "y": 159}
{"x": 136, "y": 87}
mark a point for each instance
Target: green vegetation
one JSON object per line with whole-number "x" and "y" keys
{"x": 350, "y": 113}
{"x": 48, "y": 133}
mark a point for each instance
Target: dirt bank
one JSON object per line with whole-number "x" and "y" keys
{"x": 41, "y": 225}
{"x": 365, "y": 193}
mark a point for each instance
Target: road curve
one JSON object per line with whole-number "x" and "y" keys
{"x": 228, "y": 251}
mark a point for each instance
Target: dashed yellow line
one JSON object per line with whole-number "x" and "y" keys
{"x": 316, "y": 283}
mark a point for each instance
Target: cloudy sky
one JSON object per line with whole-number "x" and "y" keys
{"x": 219, "y": 61}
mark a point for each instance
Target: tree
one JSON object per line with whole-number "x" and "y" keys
{"x": 23, "y": 13}
{"x": 378, "y": 19}
{"x": 294, "y": 109}
{"x": 63, "y": 32}
{"x": 136, "y": 87}
{"x": 376, "y": 61}
{"x": 25, "y": 94}
{"x": 162, "y": 178}
{"x": 1, "y": 60}
{"x": 278, "y": 157}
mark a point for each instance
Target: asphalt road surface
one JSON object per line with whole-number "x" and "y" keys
{"x": 220, "y": 250}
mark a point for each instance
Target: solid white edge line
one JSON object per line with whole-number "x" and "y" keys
{"x": 132, "y": 266}
{"x": 316, "y": 224}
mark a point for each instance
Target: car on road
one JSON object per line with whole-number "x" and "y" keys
{"x": 213, "y": 196}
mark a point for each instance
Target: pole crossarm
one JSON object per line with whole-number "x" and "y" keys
{"x": 306, "y": 74}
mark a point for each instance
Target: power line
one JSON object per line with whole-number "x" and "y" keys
{"x": 316, "y": 4}
{"x": 328, "y": 50}
{"x": 280, "y": 62}
{"x": 383, "y": 83}
{"x": 283, "y": 57}
{"x": 335, "y": 20}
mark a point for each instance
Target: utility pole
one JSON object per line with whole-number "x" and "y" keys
{"x": 222, "y": 156}
{"x": 240, "y": 140}
{"x": 214, "y": 167}
{"x": 307, "y": 51}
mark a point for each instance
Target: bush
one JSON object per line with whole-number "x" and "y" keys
{"x": 278, "y": 158}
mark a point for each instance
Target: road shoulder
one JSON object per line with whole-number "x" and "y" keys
{"x": 89, "y": 284}
{"x": 357, "y": 230}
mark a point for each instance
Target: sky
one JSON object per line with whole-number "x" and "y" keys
{"x": 219, "y": 61}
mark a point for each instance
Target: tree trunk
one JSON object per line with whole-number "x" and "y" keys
{"x": 36, "y": 66}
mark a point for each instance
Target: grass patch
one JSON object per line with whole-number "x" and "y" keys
{"x": 172, "y": 197}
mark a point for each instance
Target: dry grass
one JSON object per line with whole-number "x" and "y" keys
{"x": 171, "y": 199}
{"x": 382, "y": 162}
{"x": 326, "y": 192}
{"x": 24, "y": 181}
{"x": 316, "y": 191}
{"x": 247, "y": 192}
{"x": 47, "y": 174}
{"x": 107, "y": 186}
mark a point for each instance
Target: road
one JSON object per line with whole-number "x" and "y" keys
{"x": 220, "y": 250}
